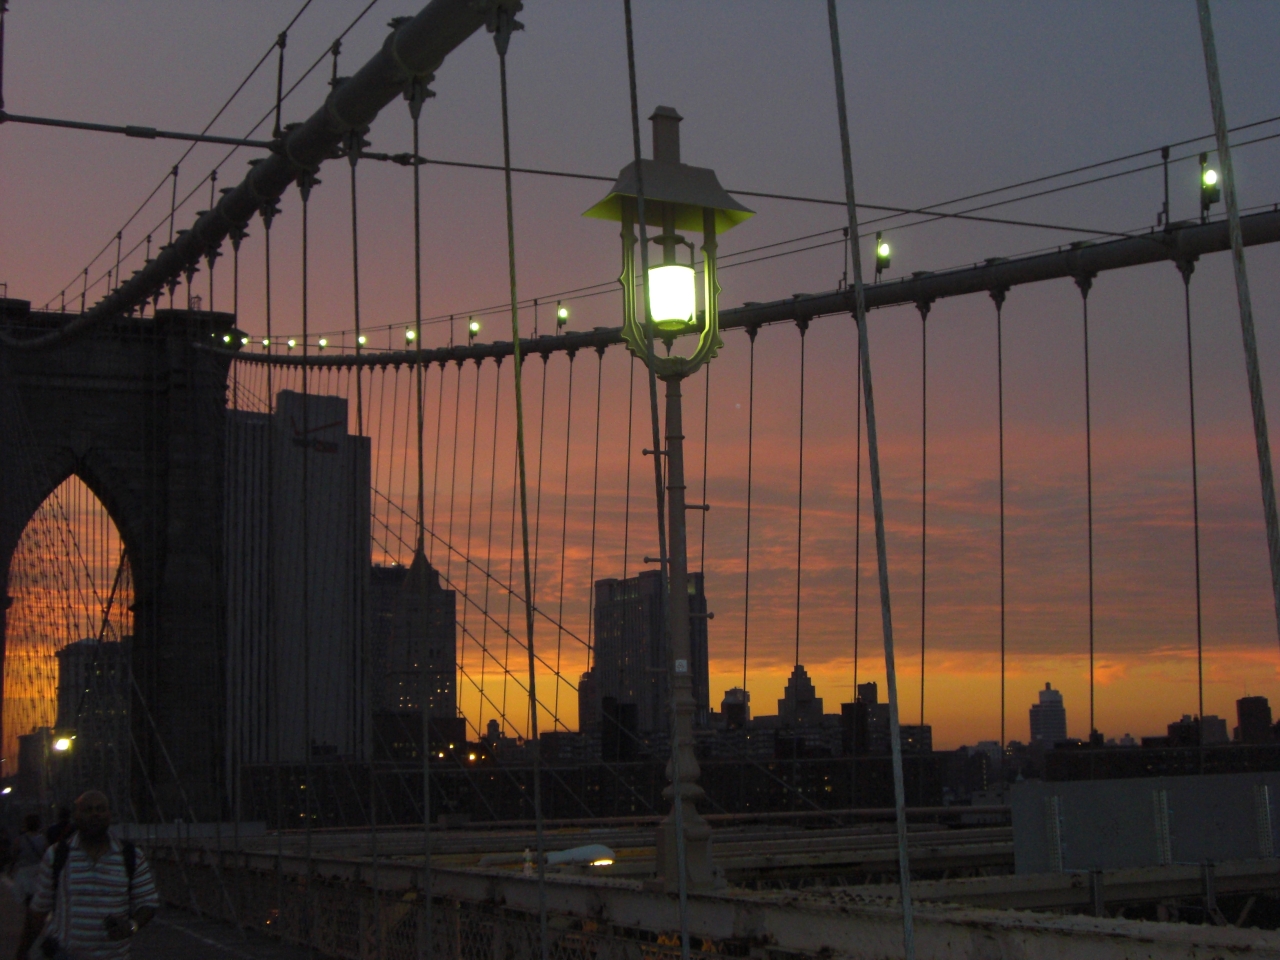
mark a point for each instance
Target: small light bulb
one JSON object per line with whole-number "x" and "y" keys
{"x": 266, "y": 342}
{"x": 323, "y": 343}
{"x": 244, "y": 341}
{"x": 883, "y": 249}
{"x": 1210, "y": 177}
{"x": 226, "y": 338}
{"x": 562, "y": 312}
{"x": 474, "y": 327}
{"x": 292, "y": 343}
{"x": 410, "y": 335}
{"x": 360, "y": 340}
{"x": 62, "y": 744}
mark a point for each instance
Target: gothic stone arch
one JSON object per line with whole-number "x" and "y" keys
{"x": 137, "y": 410}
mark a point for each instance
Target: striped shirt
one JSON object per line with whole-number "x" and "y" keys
{"x": 87, "y": 893}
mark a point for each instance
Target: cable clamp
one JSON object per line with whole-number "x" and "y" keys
{"x": 649, "y": 453}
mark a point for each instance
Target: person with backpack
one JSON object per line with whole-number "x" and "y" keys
{"x": 99, "y": 890}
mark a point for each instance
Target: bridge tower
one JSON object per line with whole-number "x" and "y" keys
{"x": 136, "y": 409}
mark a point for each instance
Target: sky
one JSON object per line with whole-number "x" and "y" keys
{"x": 945, "y": 100}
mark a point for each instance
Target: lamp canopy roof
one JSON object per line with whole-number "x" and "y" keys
{"x": 668, "y": 184}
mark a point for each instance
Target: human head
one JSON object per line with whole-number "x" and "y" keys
{"x": 31, "y": 823}
{"x": 92, "y": 814}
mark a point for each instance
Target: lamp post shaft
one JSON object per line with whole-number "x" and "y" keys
{"x": 682, "y": 767}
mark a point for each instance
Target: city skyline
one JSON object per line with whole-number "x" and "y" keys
{"x": 1145, "y": 618}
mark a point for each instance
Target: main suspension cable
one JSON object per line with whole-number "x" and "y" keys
{"x": 502, "y": 37}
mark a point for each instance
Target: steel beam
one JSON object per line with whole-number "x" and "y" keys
{"x": 1182, "y": 242}
{"x": 415, "y": 49}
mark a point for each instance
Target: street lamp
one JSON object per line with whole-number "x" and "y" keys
{"x": 473, "y": 329}
{"x": 1210, "y": 188}
{"x": 882, "y": 254}
{"x": 676, "y": 197}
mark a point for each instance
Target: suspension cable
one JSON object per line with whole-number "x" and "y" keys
{"x": 355, "y": 143}
{"x": 564, "y": 526}
{"x": 751, "y": 439}
{"x": 923, "y": 307}
{"x": 873, "y": 457}
{"x": 663, "y": 570}
{"x": 595, "y": 491}
{"x": 998, "y": 296}
{"x": 1261, "y": 437}
{"x": 857, "y": 530}
{"x": 803, "y": 326}
{"x": 1085, "y": 283}
{"x": 626, "y": 515}
{"x": 417, "y": 94}
{"x": 504, "y": 25}
{"x": 706, "y": 435}
{"x": 306, "y": 181}
{"x": 1185, "y": 268}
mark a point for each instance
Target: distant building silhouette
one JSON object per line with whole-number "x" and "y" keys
{"x": 1048, "y": 717}
{"x": 735, "y": 708}
{"x": 865, "y": 723}
{"x": 1188, "y": 731}
{"x": 421, "y": 649}
{"x": 588, "y": 702}
{"x": 1253, "y": 716}
{"x": 800, "y": 704}
{"x": 296, "y": 577}
{"x": 632, "y": 653}
{"x": 93, "y": 706}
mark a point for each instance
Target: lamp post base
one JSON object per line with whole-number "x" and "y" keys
{"x": 701, "y": 875}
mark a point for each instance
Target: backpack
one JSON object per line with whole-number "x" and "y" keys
{"x": 63, "y": 851}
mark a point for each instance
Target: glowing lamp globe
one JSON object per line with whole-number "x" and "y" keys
{"x": 673, "y": 297}
{"x": 62, "y": 744}
{"x": 1210, "y": 177}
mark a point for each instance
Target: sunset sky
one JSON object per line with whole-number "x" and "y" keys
{"x": 945, "y": 100}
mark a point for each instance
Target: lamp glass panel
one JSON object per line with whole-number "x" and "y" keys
{"x": 672, "y": 296}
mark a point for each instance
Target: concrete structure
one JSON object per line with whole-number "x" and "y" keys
{"x": 297, "y": 562}
{"x": 632, "y": 654}
{"x": 1152, "y": 821}
{"x": 137, "y": 410}
{"x": 1048, "y": 717}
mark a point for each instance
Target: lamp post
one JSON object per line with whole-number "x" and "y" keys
{"x": 676, "y": 197}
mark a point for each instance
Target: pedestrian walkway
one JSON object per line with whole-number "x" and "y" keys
{"x": 173, "y": 933}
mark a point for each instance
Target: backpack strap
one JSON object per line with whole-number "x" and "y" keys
{"x": 60, "y": 854}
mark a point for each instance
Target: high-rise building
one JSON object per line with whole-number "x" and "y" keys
{"x": 735, "y": 708}
{"x": 633, "y": 652}
{"x": 1048, "y": 717}
{"x": 93, "y": 703}
{"x": 423, "y": 644}
{"x": 800, "y": 704}
{"x": 1253, "y": 714}
{"x": 297, "y": 569}
{"x": 385, "y": 582}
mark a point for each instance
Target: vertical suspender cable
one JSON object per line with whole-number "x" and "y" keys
{"x": 305, "y": 182}
{"x": 502, "y": 37}
{"x": 751, "y": 440}
{"x": 873, "y": 457}
{"x": 857, "y": 524}
{"x": 1260, "y": 434}
{"x": 1085, "y": 282}
{"x": 354, "y": 144}
{"x": 173, "y": 211}
{"x": 626, "y": 515}
{"x": 417, "y": 94}
{"x": 564, "y": 532}
{"x": 998, "y": 296}
{"x": 488, "y": 548}
{"x": 923, "y": 307}
{"x": 595, "y": 491}
{"x": 1185, "y": 267}
{"x": 706, "y": 436}
{"x": 657, "y": 467}
{"x": 803, "y": 324}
